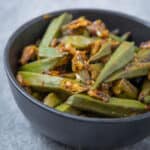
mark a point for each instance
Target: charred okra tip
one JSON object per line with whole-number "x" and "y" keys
{"x": 80, "y": 67}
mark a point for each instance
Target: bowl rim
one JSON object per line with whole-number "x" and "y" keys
{"x": 13, "y": 80}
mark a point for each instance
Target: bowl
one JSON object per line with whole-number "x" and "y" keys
{"x": 104, "y": 133}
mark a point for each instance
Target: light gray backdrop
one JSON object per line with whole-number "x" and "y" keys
{"x": 15, "y": 131}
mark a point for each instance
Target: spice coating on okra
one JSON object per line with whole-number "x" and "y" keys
{"x": 81, "y": 67}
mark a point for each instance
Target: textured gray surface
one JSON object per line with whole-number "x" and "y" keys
{"x": 15, "y": 131}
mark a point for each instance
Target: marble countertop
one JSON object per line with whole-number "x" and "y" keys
{"x": 15, "y": 131}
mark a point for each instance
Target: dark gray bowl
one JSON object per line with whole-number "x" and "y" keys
{"x": 69, "y": 129}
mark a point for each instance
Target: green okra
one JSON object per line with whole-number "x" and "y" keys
{"x": 78, "y": 41}
{"x": 95, "y": 69}
{"x": 125, "y": 36}
{"x": 67, "y": 109}
{"x": 115, "y": 37}
{"x": 52, "y": 32}
{"x": 43, "y": 65}
{"x": 145, "y": 92}
{"x": 131, "y": 71}
{"x": 147, "y": 99}
{"x": 123, "y": 55}
{"x": 104, "y": 51}
{"x": 114, "y": 108}
{"x": 52, "y": 100}
{"x": 48, "y": 83}
{"x": 123, "y": 88}
{"x": 50, "y": 52}
{"x": 83, "y": 76}
{"x": 143, "y": 55}
{"x": 128, "y": 104}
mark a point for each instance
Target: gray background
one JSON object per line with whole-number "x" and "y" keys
{"x": 15, "y": 131}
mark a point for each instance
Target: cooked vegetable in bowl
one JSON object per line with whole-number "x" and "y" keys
{"x": 97, "y": 102}
{"x": 81, "y": 67}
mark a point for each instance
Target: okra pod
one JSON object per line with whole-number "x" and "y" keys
{"x": 123, "y": 54}
{"x": 143, "y": 55}
{"x": 130, "y": 104}
{"x": 44, "y": 65}
{"x": 104, "y": 51}
{"x": 67, "y": 109}
{"x": 115, "y": 37}
{"x": 114, "y": 108}
{"x": 144, "y": 95}
{"x": 83, "y": 76}
{"x": 123, "y": 88}
{"x": 131, "y": 71}
{"x": 51, "y": 33}
{"x": 125, "y": 36}
{"x": 147, "y": 99}
{"x": 78, "y": 41}
{"x": 52, "y": 100}
{"x": 48, "y": 83}
{"x": 95, "y": 69}
{"x": 50, "y": 52}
